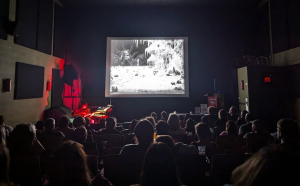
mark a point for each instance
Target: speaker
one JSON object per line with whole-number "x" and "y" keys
{"x": 57, "y": 112}
{"x": 70, "y": 74}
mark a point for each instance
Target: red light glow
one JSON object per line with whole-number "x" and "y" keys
{"x": 267, "y": 79}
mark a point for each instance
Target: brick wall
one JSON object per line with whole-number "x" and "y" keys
{"x": 26, "y": 110}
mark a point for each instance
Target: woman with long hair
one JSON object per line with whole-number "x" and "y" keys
{"x": 174, "y": 126}
{"x": 159, "y": 167}
{"x": 70, "y": 166}
{"x": 231, "y": 129}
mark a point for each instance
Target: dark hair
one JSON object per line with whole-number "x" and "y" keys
{"x": 22, "y": 136}
{"x": 144, "y": 132}
{"x": 187, "y": 116}
{"x": 162, "y": 128}
{"x": 102, "y": 123}
{"x": 4, "y": 162}
{"x": 270, "y": 166}
{"x": 70, "y": 166}
{"x": 203, "y": 131}
{"x": 152, "y": 120}
{"x": 39, "y": 125}
{"x": 222, "y": 114}
{"x": 249, "y": 117}
{"x": 259, "y": 125}
{"x": 80, "y": 134}
{"x": 164, "y": 115}
{"x": 64, "y": 121}
{"x": 234, "y": 110}
{"x": 205, "y": 119}
{"x": 288, "y": 129}
{"x": 1, "y": 119}
{"x": 190, "y": 125}
{"x": 49, "y": 124}
{"x": 168, "y": 140}
{"x": 244, "y": 112}
{"x": 159, "y": 167}
{"x": 153, "y": 114}
{"x": 173, "y": 122}
{"x": 181, "y": 117}
{"x": 231, "y": 128}
{"x": 211, "y": 110}
{"x": 78, "y": 121}
{"x": 110, "y": 123}
{"x": 87, "y": 122}
{"x": 132, "y": 125}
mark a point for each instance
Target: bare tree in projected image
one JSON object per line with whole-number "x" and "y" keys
{"x": 134, "y": 70}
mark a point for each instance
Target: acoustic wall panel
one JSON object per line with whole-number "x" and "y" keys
{"x": 4, "y": 12}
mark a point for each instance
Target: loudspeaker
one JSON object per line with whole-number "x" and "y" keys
{"x": 57, "y": 113}
{"x": 6, "y": 85}
{"x": 70, "y": 74}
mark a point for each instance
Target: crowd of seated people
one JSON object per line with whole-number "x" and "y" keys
{"x": 155, "y": 141}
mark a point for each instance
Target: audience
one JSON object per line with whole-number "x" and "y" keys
{"x": 63, "y": 126}
{"x": 212, "y": 116}
{"x": 39, "y": 127}
{"x": 205, "y": 119}
{"x": 109, "y": 127}
{"x": 220, "y": 124}
{"x": 288, "y": 132}
{"x": 204, "y": 136}
{"x": 162, "y": 128}
{"x": 231, "y": 129}
{"x": 78, "y": 121}
{"x": 80, "y": 135}
{"x": 159, "y": 167}
{"x": 241, "y": 120}
{"x": 174, "y": 127}
{"x": 270, "y": 166}
{"x": 244, "y": 129}
{"x": 181, "y": 121}
{"x": 233, "y": 114}
{"x": 144, "y": 133}
{"x": 70, "y": 166}
{"x": 132, "y": 126}
{"x": 154, "y": 116}
{"x": 49, "y": 131}
{"x": 151, "y": 119}
{"x": 102, "y": 123}
{"x": 190, "y": 127}
{"x": 164, "y": 116}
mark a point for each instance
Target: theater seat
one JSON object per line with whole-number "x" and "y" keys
{"x": 178, "y": 138}
{"x": 112, "y": 140}
{"x": 229, "y": 142}
{"x": 92, "y": 162}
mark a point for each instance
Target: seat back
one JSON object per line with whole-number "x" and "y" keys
{"x": 178, "y": 137}
{"x": 51, "y": 144}
{"x": 25, "y": 171}
{"x": 229, "y": 142}
{"x": 92, "y": 162}
{"x": 90, "y": 145}
{"x": 112, "y": 140}
{"x": 257, "y": 141}
{"x": 89, "y": 138}
{"x": 223, "y": 165}
{"x": 130, "y": 139}
{"x": 191, "y": 169}
{"x": 114, "y": 150}
{"x": 190, "y": 139}
{"x": 122, "y": 170}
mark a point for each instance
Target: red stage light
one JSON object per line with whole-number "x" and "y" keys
{"x": 92, "y": 121}
{"x": 267, "y": 79}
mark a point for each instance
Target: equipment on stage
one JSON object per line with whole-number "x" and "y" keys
{"x": 95, "y": 113}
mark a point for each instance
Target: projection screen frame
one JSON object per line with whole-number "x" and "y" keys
{"x": 108, "y": 66}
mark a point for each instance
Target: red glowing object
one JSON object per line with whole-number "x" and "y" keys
{"x": 48, "y": 86}
{"x": 267, "y": 79}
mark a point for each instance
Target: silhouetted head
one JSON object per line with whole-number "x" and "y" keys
{"x": 132, "y": 125}
{"x": 23, "y": 135}
{"x": 80, "y": 134}
{"x": 151, "y": 119}
{"x": 181, "y": 117}
{"x": 102, "y": 122}
{"x": 110, "y": 123}
{"x": 258, "y": 126}
{"x": 39, "y": 125}
{"x": 162, "y": 128}
{"x": 249, "y": 117}
{"x": 190, "y": 125}
{"x": 87, "y": 122}
{"x": 288, "y": 130}
{"x": 203, "y": 131}
{"x": 187, "y": 116}
{"x": 222, "y": 114}
{"x": 70, "y": 166}
{"x": 173, "y": 122}
{"x": 231, "y": 128}
{"x": 205, "y": 119}
{"x": 144, "y": 132}
{"x": 164, "y": 115}
{"x": 243, "y": 113}
{"x": 49, "y": 124}
{"x": 211, "y": 110}
{"x": 64, "y": 121}
{"x": 166, "y": 139}
{"x": 78, "y": 121}
{"x": 159, "y": 167}
{"x": 270, "y": 166}
{"x": 153, "y": 114}
{"x": 233, "y": 111}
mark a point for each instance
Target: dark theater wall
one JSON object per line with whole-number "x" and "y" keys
{"x": 215, "y": 40}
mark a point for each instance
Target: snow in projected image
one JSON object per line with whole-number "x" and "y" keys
{"x": 147, "y": 66}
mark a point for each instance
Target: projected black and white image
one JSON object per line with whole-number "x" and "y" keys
{"x": 147, "y": 66}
